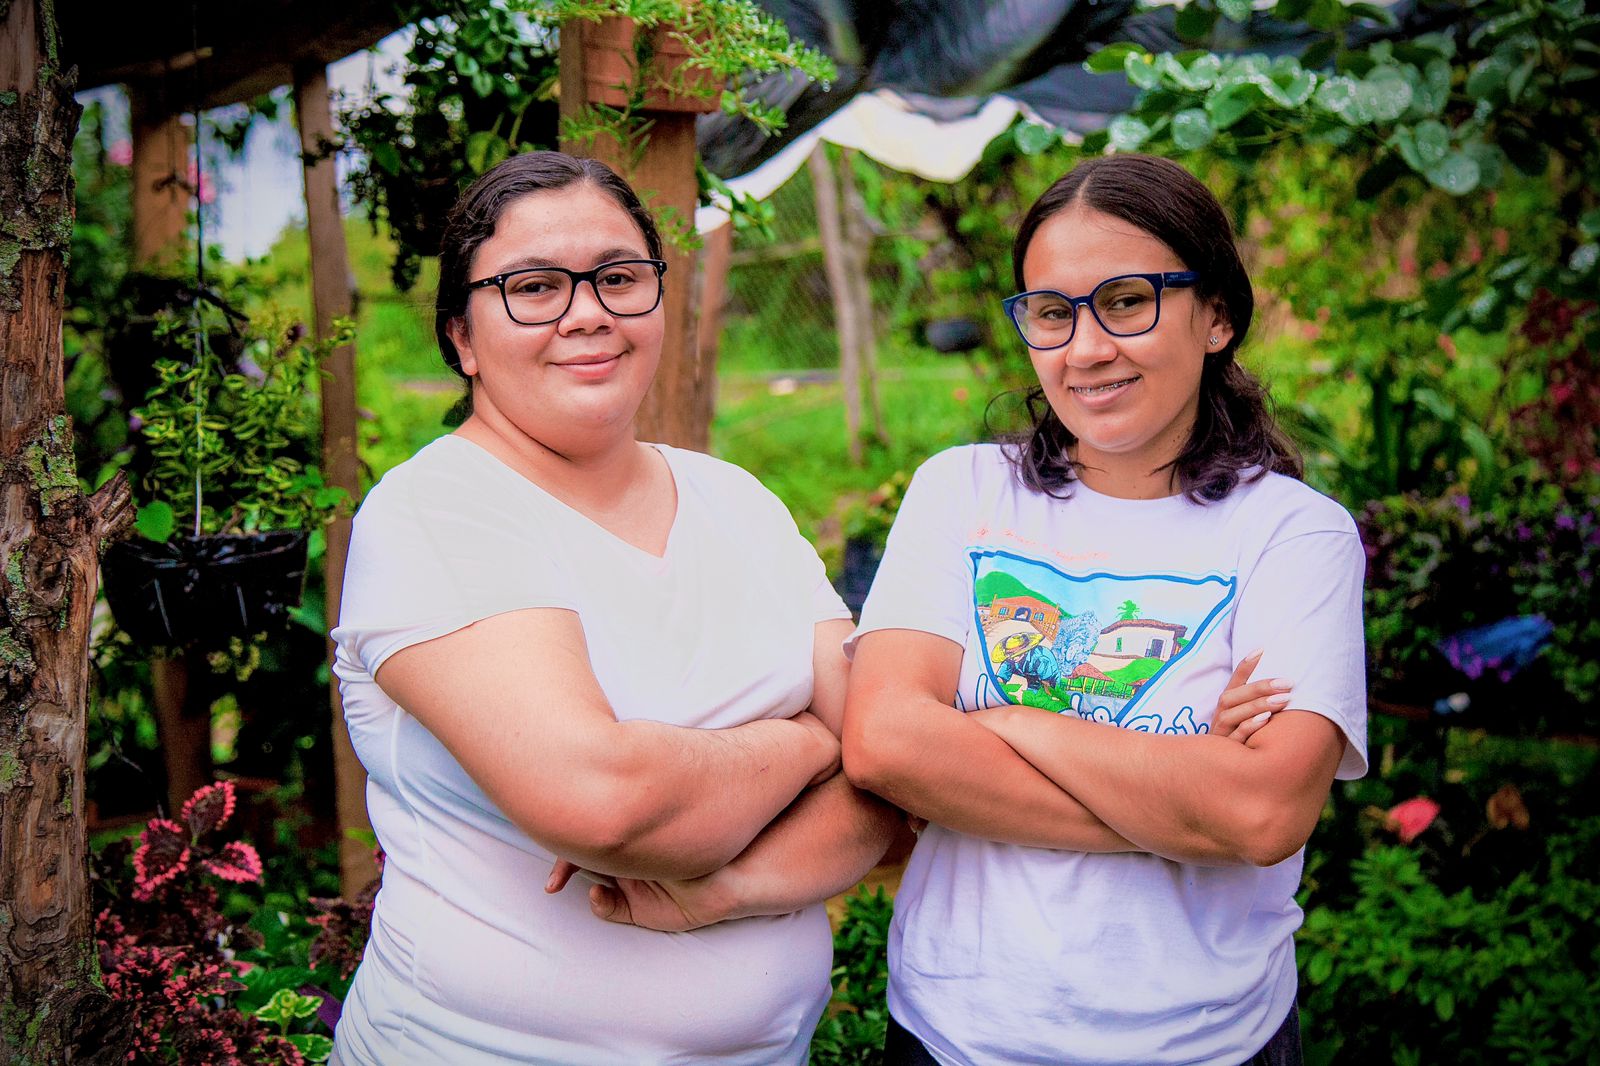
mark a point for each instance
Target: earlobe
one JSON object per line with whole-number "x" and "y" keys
{"x": 461, "y": 337}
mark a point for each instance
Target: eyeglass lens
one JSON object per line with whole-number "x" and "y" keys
{"x": 1124, "y": 307}
{"x": 535, "y": 297}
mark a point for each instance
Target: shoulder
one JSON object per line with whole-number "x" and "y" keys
{"x": 967, "y": 464}
{"x": 441, "y": 470}
{"x": 721, "y": 483}
{"x": 1291, "y": 508}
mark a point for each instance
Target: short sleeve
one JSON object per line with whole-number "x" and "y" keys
{"x": 433, "y": 552}
{"x": 1302, "y": 604}
{"x": 924, "y": 580}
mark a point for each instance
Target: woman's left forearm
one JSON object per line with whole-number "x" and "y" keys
{"x": 823, "y": 844}
{"x": 1200, "y": 799}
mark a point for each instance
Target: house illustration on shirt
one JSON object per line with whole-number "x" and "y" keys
{"x": 1128, "y": 640}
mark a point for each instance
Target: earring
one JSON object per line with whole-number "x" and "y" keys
{"x": 1213, "y": 342}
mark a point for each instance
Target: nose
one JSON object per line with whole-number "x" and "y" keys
{"x": 586, "y": 312}
{"x": 1091, "y": 345}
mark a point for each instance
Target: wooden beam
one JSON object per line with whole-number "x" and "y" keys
{"x": 331, "y": 298}
{"x": 662, "y": 170}
{"x": 716, "y": 255}
{"x": 158, "y": 175}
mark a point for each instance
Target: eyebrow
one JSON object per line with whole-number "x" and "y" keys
{"x": 533, "y": 262}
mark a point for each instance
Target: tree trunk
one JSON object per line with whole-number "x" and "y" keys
{"x": 858, "y": 234}
{"x": 54, "y": 1008}
{"x": 839, "y": 261}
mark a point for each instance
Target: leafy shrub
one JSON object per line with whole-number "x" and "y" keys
{"x": 1438, "y": 566}
{"x": 1408, "y": 973}
{"x": 851, "y": 1032}
{"x": 207, "y": 979}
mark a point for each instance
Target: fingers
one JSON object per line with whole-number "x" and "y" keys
{"x": 1246, "y": 667}
{"x": 1228, "y": 721}
{"x": 560, "y": 874}
{"x": 609, "y": 904}
{"x": 1249, "y": 726}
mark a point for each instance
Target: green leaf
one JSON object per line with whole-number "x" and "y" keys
{"x": 1445, "y": 1005}
{"x": 1095, "y": 143}
{"x": 484, "y": 149}
{"x": 1035, "y": 137}
{"x": 1373, "y": 12}
{"x": 287, "y": 1005}
{"x": 1488, "y": 77}
{"x": 1127, "y": 133}
{"x": 483, "y": 83}
{"x": 1518, "y": 81}
{"x": 1195, "y": 21}
{"x": 314, "y": 1046}
{"x": 1140, "y": 70}
{"x": 1192, "y": 129}
{"x": 156, "y": 521}
{"x": 1291, "y": 10}
{"x": 1111, "y": 58}
{"x": 385, "y": 156}
{"x": 1457, "y": 173}
{"x": 1320, "y": 968}
{"x": 1235, "y": 10}
{"x": 1433, "y": 142}
{"x": 1232, "y": 104}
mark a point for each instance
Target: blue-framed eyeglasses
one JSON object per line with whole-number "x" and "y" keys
{"x": 1125, "y": 306}
{"x": 538, "y": 296}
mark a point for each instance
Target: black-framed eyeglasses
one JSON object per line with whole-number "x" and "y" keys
{"x": 1125, "y": 306}
{"x": 538, "y": 296}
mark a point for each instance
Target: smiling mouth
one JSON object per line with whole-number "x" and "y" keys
{"x": 1098, "y": 390}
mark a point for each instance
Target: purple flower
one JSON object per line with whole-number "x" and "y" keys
{"x": 1463, "y": 503}
{"x": 1564, "y": 521}
{"x": 1523, "y": 532}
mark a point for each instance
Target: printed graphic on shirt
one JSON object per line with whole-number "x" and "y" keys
{"x": 1094, "y": 644}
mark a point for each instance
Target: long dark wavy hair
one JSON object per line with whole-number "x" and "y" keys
{"x": 475, "y": 216}
{"x": 1234, "y": 430}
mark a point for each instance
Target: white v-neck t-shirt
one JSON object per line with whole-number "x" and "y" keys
{"x": 470, "y": 961}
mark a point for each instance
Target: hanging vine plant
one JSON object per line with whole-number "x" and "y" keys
{"x": 229, "y": 500}
{"x": 479, "y": 86}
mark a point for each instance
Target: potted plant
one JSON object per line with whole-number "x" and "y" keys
{"x": 866, "y": 530}
{"x": 230, "y": 496}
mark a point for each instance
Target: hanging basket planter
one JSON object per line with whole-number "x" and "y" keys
{"x": 611, "y": 57}
{"x": 193, "y": 589}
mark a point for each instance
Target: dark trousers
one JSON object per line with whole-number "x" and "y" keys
{"x": 900, "y": 1048}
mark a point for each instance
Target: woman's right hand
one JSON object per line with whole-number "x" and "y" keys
{"x": 1248, "y": 705}
{"x": 828, "y": 742}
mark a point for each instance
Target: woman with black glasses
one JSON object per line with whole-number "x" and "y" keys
{"x": 562, "y": 650}
{"x": 1111, "y": 856}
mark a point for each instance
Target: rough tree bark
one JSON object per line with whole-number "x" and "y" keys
{"x": 52, "y": 1008}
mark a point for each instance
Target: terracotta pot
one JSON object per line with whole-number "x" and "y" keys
{"x": 610, "y": 69}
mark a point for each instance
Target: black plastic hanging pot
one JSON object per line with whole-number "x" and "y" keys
{"x": 193, "y": 589}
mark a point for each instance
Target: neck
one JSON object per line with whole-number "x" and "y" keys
{"x": 589, "y": 469}
{"x": 1110, "y": 476}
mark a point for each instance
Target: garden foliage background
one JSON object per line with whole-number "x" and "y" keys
{"x": 1426, "y": 273}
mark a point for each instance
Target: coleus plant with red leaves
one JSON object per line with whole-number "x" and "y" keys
{"x": 167, "y": 949}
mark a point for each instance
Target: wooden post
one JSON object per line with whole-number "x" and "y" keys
{"x": 662, "y": 171}
{"x": 716, "y": 255}
{"x": 331, "y": 298}
{"x": 159, "y": 177}
{"x": 838, "y": 261}
{"x": 50, "y": 533}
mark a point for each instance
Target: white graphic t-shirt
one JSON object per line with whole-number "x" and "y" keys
{"x": 1132, "y": 613}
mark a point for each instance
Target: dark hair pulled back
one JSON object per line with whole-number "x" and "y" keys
{"x": 1234, "y": 430}
{"x": 475, "y": 216}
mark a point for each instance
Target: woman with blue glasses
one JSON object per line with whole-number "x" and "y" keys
{"x": 1112, "y": 851}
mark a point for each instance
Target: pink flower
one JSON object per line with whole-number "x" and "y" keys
{"x": 1409, "y": 818}
{"x": 120, "y": 153}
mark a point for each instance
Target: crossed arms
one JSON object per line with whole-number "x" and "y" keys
{"x": 754, "y": 819}
{"x": 1028, "y": 776}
